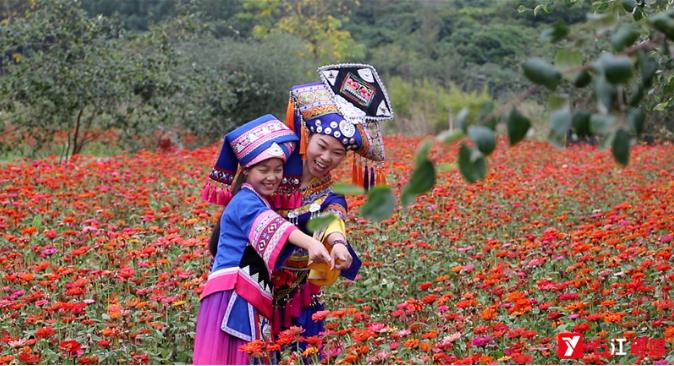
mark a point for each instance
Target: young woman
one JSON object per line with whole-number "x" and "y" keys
{"x": 331, "y": 119}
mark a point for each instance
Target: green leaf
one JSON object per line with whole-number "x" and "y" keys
{"x": 555, "y": 34}
{"x": 606, "y": 94}
{"x": 472, "y": 165}
{"x": 347, "y": 189}
{"x": 423, "y": 177}
{"x": 616, "y": 69}
{"x": 583, "y": 79}
{"x": 538, "y": 8}
{"x": 423, "y": 150}
{"x": 568, "y": 58}
{"x": 602, "y": 124}
{"x": 558, "y": 101}
{"x": 638, "y": 14}
{"x": 621, "y": 147}
{"x": 661, "y": 106}
{"x": 449, "y": 136}
{"x": 629, "y": 5}
{"x": 560, "y": 123}
{"x": 380, "y": 204}
{"x": 636, "y": 118}
{"x": 421, "y": 181}
{"x": 581, "y": 123}
{"x": 664, "y": 23}
{"x": 636, "y": 97}
{"x": 625, "y": 36}
{"x": 647, "y": 67}
{"x": 541, "y": 72}
{"x": 461, "y": 120}
{"x": 484, "y": 138}
{"x": 518, "y": 126}
{"x": 320, "y": 222}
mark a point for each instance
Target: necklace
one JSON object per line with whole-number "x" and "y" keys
{"x": 316, "y": 186}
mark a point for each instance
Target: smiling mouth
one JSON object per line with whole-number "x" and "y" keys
{"x": 320, "y": 165}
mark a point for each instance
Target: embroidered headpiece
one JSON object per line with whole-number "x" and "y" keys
{"x": 255, "y": 141}
{"x": 348, "y": 105}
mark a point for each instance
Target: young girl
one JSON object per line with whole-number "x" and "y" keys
{"x": 251, "y": 236}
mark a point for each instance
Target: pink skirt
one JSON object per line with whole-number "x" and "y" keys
{"x": 212, "y": 346}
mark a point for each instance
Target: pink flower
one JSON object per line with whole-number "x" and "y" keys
{"x": 481, "y": 341}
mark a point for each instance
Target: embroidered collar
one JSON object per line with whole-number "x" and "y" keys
{"x": 264, "y": 200}
{"x": 316, "y": 185}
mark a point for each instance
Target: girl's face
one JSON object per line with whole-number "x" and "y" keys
{"x": 324, "y": 153}
{"x": 265, "y": 176}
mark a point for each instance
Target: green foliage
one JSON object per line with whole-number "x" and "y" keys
{"x": 472, "y": 164}
{"x": 518, "y": 126}
{"x": 380, "y": 204}
{"x": 423, "y": 176}
{"x": 426, "y": 106}
{"x": 90, "y": 79}
{"x": 68, "y": 70}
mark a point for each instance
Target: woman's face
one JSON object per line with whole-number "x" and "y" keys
{"x": 324, "y": 153}
{"x": 265, "y": 176}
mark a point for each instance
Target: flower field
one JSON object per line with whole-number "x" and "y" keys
{"x": 102, "y": 260}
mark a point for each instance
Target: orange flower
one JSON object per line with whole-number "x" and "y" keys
{"x": 254, "y": 348}
{"x": 411, "y": 343}
{"x": 114, "y": 311}
{"x": 310, "y": 351}
{"x": 489, "y": 313}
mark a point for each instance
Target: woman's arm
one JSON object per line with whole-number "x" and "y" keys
{"x": 340, "y": 253}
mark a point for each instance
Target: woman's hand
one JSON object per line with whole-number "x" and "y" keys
{"x": 341, "y": 256}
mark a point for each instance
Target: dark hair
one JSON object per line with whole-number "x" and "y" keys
{"x": 215, "y": 235}
{"x": 213, "y": 242}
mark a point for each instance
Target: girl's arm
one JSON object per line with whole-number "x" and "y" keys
{"x": 316, "y": 249}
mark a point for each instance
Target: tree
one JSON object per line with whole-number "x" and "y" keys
{"x": 319, "y": 23}
{"x": 73, "y": 74}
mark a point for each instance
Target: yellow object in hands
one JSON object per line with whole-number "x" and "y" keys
{"x": 320, "y": 274}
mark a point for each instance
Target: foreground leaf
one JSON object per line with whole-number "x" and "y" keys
{"x": 472, "y": 164}
{"x": 541, "y": 72}
{"x": 347, "y": 189}
{"x": 518, "y": 126}
{"x": 621, "y": 147}
{"x": 380, "y": 204}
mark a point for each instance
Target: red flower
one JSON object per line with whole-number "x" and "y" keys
{"x": 126, "y": 272}
{"x": 581, "y": 328}
{"x": 29, "y": 358}
{"x": 521, "y": 358}
{"x": 88, "y": 360}
{"x": 73, "y": 348}
{"x": 44, "y": 332}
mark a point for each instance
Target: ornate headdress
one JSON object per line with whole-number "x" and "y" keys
{"x": 348, "y": 105}
{"x": 255, "y": 141}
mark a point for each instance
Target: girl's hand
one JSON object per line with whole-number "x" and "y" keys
{"x": 341, "y": 256}
{"x": 318, "y": 253}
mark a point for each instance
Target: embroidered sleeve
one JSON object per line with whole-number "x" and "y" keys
{"x": 268, "y": 234}
{"x": 336, "y": 204}
{"x": 336, "y": 226}
{"x": 266, "y": 230}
